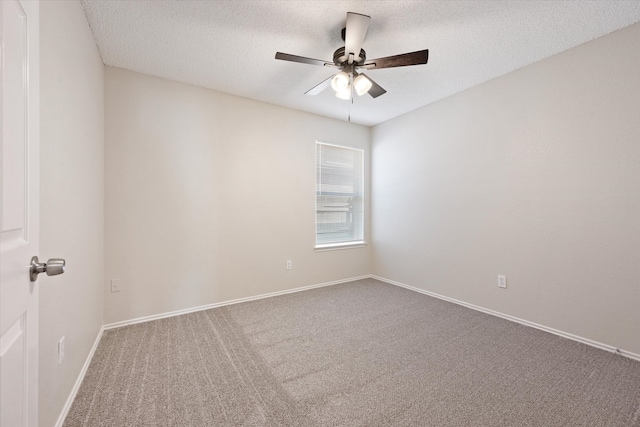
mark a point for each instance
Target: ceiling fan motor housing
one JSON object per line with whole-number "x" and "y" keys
{"x": 341, "y": 58}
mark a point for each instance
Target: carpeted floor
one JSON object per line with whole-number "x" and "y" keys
{"x": 358, "y": 354}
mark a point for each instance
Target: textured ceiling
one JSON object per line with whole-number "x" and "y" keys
{"x": 229, "y": 45}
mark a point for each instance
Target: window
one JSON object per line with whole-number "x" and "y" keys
{"x": 339, "y": 196}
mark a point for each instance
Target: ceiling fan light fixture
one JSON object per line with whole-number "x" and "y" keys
{"x": 344, "y": 93}
{"x": 362, "y": 84}
{"x": 351, "y": 57}
{"x": 340, "y": 81}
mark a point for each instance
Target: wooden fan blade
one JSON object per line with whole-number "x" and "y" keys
{"x": 402, "y": 60}
{"x": 356, "y": 30}
{"x": 376, "y": 90}
{"x": 304, "y": 60}
{"x": 319, "y": 87}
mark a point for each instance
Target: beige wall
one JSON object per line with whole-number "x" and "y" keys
{"x": 71, "y": 197}
{"x": 207, "y": 195}
{"x": 535, "y": 175}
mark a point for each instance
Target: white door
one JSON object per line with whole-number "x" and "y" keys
{"x": 19, "y": 127}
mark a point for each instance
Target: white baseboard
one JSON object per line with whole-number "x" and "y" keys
{"x": 230, "y": 302}
{"x": 563, "y": 334}
{"x": 78, "y": 383}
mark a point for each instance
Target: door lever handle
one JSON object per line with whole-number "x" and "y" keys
{"x": 53, "y": 267}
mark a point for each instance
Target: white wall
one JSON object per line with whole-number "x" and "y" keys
{"x": 71, "y": 197}
{"x": 207, "y": 195}
{"x": 535, "y": 175}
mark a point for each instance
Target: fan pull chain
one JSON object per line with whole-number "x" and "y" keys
{"x": 350, "y": 104}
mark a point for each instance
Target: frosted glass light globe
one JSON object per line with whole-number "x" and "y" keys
{"x": 340, "y": 81}
{"x": 344, "y": 93}
{"x": 362, "y": 85}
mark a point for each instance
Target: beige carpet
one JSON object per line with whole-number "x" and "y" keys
{"x": 358, "y": 354}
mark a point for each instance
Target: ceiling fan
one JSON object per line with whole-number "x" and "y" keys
{"x": 352, "y": 59}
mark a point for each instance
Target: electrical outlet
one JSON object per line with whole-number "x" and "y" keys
{"x": 60, "y": 350}
{"x": 116, "y": 285}
{"x": 502, "y": 281}
{"x": 289, "y": 264}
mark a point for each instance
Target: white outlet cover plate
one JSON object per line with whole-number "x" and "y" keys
{"x": 116, "y": 285}
{"x": 60, "y": 350}
{"x": 502, "y": 281}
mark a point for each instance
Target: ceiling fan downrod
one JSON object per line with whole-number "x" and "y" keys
{"x": 340, "y": 57}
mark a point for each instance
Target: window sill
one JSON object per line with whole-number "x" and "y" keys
{"x": 339, "y": 246}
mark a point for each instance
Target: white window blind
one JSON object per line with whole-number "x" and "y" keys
{"x": 339, "y": 195}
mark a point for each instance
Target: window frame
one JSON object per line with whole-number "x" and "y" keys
{"x": 345, "y": 244}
